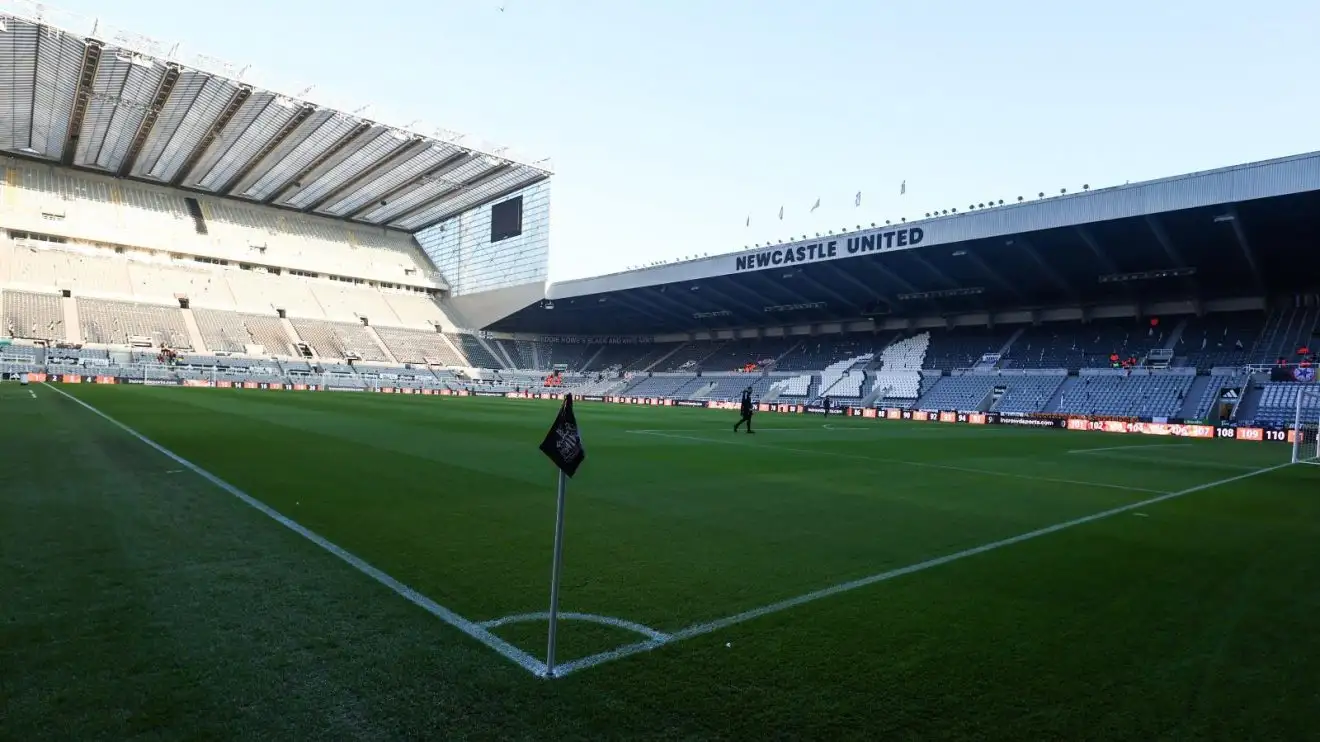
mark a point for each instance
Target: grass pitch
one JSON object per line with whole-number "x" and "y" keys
{"x": 143, "y": 601}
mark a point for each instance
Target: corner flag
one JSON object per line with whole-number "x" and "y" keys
{"x": 563, "y": 444}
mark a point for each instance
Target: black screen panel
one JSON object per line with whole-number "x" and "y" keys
{"x": 506, "y": 219}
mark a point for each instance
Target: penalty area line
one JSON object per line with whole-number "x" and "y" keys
{"x": 471, "y": 628}
{"x": 712, "y": 626}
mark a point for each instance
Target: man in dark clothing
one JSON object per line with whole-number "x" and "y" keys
{"x": 827, "y": 406}
{"x": 746, "y": 411}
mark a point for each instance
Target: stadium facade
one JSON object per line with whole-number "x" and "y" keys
{"x": 166, "y": 222}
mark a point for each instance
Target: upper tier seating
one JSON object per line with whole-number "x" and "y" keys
{"x": 572, "y": 355}
{"x": 814, "y": 353}
{"x": 1285, "y": 331}
{"x": 735, "y": 354}
{"x": 1221, "y": 339}
{"x": 107, "y": 210}
{"x": 1074, "y": 346}
{"x": 630, "y": 357}
{"x": 963, "y": 347}
{"x": 688, "y": 357}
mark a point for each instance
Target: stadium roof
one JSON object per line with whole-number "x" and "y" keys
{"x": 1244, "y": 231}
{"x": 117, "y": 103}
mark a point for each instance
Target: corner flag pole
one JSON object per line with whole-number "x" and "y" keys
{"x": 554, "y": 575}
{"x": 563, "y": 445}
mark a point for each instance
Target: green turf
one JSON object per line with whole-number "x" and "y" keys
{"x": 142, "y": 601}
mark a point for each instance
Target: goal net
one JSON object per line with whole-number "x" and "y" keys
{"x": 1306, "y": 423}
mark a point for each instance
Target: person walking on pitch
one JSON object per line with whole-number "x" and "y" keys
{"x": 745, "y": 409}
{"x": 827, "y": 406}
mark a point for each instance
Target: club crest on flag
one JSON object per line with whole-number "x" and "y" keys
{"x": 569, "y": 444}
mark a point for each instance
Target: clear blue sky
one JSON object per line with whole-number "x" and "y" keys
{"x": 671, "y": 121}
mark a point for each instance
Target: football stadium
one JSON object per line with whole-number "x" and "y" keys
{"x": 275, "y": 379}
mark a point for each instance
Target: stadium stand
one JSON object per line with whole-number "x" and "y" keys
{"x": 734, "y": 355}
{"x": 129, "y": 323}
{"x": 573, "y": 355}
{"x": 1212, "y": 389}
{"x": 477, "y": 355}
{"x": 674, "y": 386}
{"x": 899, "y": 376}
{"x": 413, "y": 346}
{"x": 795, "y": 386}
{"x": 522, "y": 352}
{"x": 817, "y": 352}
{"x": 729, "y": 387}
{"x": 977, "y": 392}
{"x": 629, "y": 357}
{"x": 963, "y": 347}
{"x": 1285, "y": 332}
{"x": 843, "y": 380}
{"x": 121, "y": 212}
{"x": 1138, "y": 393}
{"x": 1077, "y": 346}
{"x": 688, "y": 357}
{"x": 338, "y": 340}
{"x": 232, "y": 332}
{"x": 1028, "y": 392}
{"x": 1278, "y": 404}
{"x": 33, "y": 316}
{"x": 1227, "y": 339}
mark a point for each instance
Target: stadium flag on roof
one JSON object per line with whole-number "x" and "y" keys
{"x": 781, "y": 213}
{"x": 563, "y": 444}
{"x": 749, "y": 220}
{"x": 816, "y": 205}
{"x": 858, "y": 201}
{"x": 902, "y": 188}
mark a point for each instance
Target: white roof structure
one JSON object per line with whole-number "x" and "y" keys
{"x": 121, "y": 104}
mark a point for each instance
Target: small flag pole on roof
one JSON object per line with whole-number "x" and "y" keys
{"x": 563, "y": 446}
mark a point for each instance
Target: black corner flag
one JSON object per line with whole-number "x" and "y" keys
{"x": 563, "y": 444}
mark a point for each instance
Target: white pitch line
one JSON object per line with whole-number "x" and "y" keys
{"x": 1129, "y": 448}
{"x": 34, "y": 394}
{"x": 783, "y": 605}
{"x": 471, "y": 628}
{"x": 903, "y": 462}
{"x": 617, "y": 623}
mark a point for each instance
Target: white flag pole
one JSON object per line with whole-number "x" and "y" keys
{"x": 554, "y": 575}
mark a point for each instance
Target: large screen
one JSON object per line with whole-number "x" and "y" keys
{"x": 506, "y": 219}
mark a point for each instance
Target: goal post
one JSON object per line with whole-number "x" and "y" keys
{"x": 1306, "y": 424}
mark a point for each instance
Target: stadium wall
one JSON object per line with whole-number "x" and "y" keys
{"x": 462, "y": 248}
